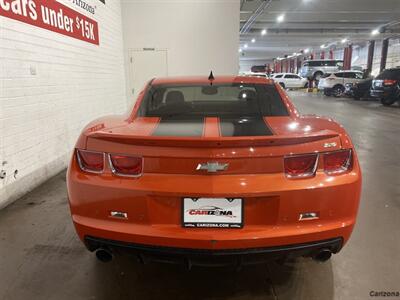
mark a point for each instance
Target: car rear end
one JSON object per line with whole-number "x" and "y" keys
{"x": 222, "y": 173}
{"x": 386, "y": 84}
{"x": 327, "y": 82}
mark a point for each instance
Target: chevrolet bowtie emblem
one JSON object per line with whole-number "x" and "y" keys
{"x": 212, "y": 167}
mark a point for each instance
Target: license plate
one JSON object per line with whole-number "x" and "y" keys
{"x": 212, "y": 212}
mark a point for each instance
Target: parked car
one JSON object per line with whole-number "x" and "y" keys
{"x": 259, "y": 69}
{"x": 316, "y": 68}
{"x": 290, "y": 80}
{"x": 255, "y": 74}
{"x": 145, "y": 183}
{"x": 386, "y": 86}
{"x": 334, "y": 84}
{"x": 359, "y": 89}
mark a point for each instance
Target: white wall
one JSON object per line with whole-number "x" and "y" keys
{"x": 41, "y": 115}
{"x": 200, "y": 35}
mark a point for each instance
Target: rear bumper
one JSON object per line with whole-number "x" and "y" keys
{"x": 190, "y": 257}
{"x": 272, "y": 205}
{"x": 383, "y": 93}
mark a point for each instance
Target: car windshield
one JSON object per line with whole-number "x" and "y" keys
{"x": 390, "y": 74}
{"x": 222, "y": 100}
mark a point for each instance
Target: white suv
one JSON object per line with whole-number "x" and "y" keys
{"x": 290, "y": 80}
{"x": 334, "y": 84}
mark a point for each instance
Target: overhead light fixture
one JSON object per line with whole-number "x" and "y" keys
{"x": 343, "y": 40}
{"x": 253, "y": 40}
{"x": 240, "y": 50}
{"x": 322, "y": 46}
{"x": 264, "y": 32}
{"x": 245, "y": 46}
{"x": 375, "y": 32}
{"x": 280, "y": 18}
{"x": 306, "y": 50}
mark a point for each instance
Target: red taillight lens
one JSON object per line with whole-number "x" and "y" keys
{"x": 389, "y": 82}
{"x": 337, "y": 162}
{"x": 126, "y": 165}
{"x": 90, "y": 161}
{"x": 301, "y": 166}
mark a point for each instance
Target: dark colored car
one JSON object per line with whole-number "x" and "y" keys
{"x": 386, "y": 86}
{"x": 359, "y": 90}
{"x": 259, "y": 69}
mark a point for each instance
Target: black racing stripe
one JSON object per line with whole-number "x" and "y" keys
{"x": 244, "y": 126}
{"x": 180, "y": 127}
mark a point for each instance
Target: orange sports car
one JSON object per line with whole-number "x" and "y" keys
{"x": 214, "y": 171}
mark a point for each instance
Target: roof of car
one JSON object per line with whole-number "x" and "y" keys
{"x": 217, "y": 80}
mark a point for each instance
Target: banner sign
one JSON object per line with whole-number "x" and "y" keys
{"x": 52, "y": 15}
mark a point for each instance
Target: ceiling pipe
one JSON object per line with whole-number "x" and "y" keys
{"x": 250, "y": 21}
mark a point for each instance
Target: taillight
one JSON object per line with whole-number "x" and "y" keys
{"x": 90, "y": 161}
{"x": 124, "y": 165}
{"x": 388, "y": 82}
{"x": 337, "y": 162}
{"x": 301, "y": 166}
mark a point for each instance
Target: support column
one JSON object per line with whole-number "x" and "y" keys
{"x": 330, "y": 53}
{"x": 370, "y": 56}
{"x": 385, "y": 47}
{"x": 322, "y": 55}
{"x": 345, "y": 55}
{"x": 350, "y": 55}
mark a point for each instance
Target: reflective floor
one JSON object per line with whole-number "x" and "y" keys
{"x": 41, "y": 257}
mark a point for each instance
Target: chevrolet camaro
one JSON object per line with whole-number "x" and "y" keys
{"x": 214, "y": 171}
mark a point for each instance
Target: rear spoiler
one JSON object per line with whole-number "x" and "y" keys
{"x": 195, "y": 142}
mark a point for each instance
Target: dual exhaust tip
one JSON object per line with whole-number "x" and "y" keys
{"x": 322, "y": 255}
{"x": 105, "y": 255}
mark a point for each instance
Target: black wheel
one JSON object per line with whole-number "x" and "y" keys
{"x": 388, "y": 101}
{"x": 317, "y": 76}
{"x": 327, "y": 93}
{"x": 338, "y": 90}
{"x": 282, "y": 84}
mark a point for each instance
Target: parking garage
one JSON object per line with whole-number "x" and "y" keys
{"x": 76, "y": 187}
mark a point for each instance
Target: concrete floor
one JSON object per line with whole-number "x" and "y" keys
{"x": 41, "y": 257}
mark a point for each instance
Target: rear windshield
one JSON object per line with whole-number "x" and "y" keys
{"x": 389, "y": 74}
{"x": 199, "y": 101}
{"x": 326, "y": 75}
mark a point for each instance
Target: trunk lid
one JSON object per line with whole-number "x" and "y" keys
{"x": 182, "y": 155}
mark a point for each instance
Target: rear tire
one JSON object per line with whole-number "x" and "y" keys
{"x": 388, "y": 101}
{"x": 326, "y": 93}
{"x": 338, "y": 90}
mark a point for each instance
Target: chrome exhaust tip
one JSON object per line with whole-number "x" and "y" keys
{"x": 104, "y": 255}
{"x": 323, "y": 255}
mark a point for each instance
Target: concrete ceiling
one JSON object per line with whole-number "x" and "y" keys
{"x": 311, "y": 23}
